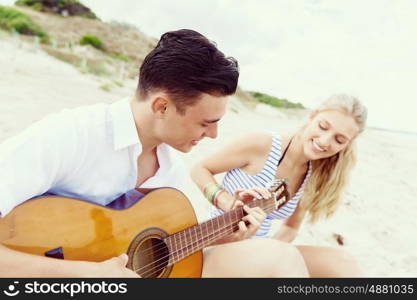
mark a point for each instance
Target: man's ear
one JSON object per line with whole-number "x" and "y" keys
{"x": 159, "y": 106}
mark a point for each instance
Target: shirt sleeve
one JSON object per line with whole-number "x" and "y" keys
{"x": 35, "y": 160}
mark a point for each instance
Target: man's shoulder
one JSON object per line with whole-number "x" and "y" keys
{"x": 83, "y": 117}
{"x": 71, "y": 123}
{"x": 95, "y": 110}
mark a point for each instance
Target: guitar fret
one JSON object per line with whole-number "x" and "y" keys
{"x": 227, "y": 227}
{"x": 172, "y": 246}
{"x": 236, "y": 217}
{"x": 230, "y": 221}
{"x": 208, "y": 240}
{"x": 194, "y": 240}
{"x": 222, "y": 224}
{"x": 203, "y": 240}
{"x": 180, "y": 248}
{"x": 218, "y": 224}
{"x": 168, "y": 243}
{"x": 188, "y": 239}
{"x": 199, "y": 240}
{"x": 211, "y": 229}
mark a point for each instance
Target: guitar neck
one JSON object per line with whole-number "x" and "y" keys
{"x": 195, "y": 238}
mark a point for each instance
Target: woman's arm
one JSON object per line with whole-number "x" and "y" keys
{"x": 289, "y": 229}
{"x": 239, "y": 153}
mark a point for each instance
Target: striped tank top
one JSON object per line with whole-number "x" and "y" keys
{"x": 239, "y": 179}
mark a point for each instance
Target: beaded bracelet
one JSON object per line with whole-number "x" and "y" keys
{"x": 216, "y": 197}
{"x": 211, "y": 191}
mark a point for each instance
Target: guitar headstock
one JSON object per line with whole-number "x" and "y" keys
{"x": 279, "y": 189}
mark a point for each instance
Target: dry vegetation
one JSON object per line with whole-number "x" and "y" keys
{"x": 120, "y": 40}
{"x": 125, "y": 46}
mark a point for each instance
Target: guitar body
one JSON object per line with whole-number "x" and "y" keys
{"x": 78, "y": 230}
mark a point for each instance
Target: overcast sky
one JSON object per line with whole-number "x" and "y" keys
{"x": 301, "y": 50}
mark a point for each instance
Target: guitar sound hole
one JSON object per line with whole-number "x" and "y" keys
{"x": 150, "y": 258}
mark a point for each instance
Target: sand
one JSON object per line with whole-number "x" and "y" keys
{"x": 377, "y": 219}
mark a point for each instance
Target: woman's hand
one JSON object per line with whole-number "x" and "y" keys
{"x": 246, "y": 196}
{"x": 241, "y": 197}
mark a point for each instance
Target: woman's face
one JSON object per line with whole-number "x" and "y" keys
{"x": 328, "y": 133}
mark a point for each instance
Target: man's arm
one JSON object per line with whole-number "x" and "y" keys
{"x": 30, "y": 164}
{"x": 18, "y": 264}
{"x": 237, "y": 154}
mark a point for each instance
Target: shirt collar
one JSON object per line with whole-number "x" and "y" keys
{"x": 124, "y": 128}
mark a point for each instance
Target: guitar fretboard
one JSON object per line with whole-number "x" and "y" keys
{"x": 195, "y": 238}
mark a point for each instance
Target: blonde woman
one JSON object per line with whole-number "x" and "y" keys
{"x": 316, "y": 161}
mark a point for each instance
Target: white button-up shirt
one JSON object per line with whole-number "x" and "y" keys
{"x": 88, "y": 153}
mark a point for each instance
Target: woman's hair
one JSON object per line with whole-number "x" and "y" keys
{"x": 329, "y": 177}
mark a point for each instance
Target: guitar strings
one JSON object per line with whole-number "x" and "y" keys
{"x": 268, "y": 206}
{"x": 228, "y": 230}
{"x": 211, "y": 237}
{"x": 279, "y": 189}
{"x": 162, "y": 265}
{"x": 238, "y": 210}
{"x": 195, "y": 242}
{"x": 183, "y": 238}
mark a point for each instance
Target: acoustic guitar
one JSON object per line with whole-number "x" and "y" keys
{"x": 159, "y": 231}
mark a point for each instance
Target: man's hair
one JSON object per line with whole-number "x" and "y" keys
{"x": 185, "y": 64}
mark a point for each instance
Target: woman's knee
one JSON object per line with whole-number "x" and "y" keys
{"x": 256, "y": 258}
{"x": 288, "y": 261}
{"x": 330, "y": 262}
{"x": 348, "y": 265}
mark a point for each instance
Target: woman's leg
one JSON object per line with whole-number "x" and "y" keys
{"x": 329, "y": 262}
{"x": 254, "y": 258}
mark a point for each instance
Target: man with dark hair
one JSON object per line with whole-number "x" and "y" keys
{"x": 191, "y": 65}
{"x": 99, "y": 152}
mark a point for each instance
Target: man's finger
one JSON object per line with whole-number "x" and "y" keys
{"x": 237, "y": 204}
{"x": 123, "y": 259}
{"x": 256, "y": 211}
{"x": 259, "y": 212}
{"x": 252, "y": 221}
{"x": 242, "y": 227}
